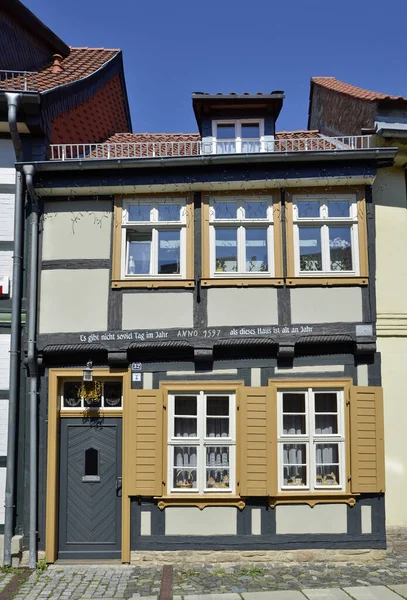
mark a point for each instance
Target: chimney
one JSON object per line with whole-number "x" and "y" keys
{"x": 57, "y": 63}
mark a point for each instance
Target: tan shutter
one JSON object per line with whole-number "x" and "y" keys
{"x": 256, "y": 433}
{"x": 367, "y": 445}
{"x": 144, "y": 448}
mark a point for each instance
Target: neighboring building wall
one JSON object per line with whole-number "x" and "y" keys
{"x": 389, "y": 193}
{"x": 94, "y": 120}
{"x": 338, "y": 114}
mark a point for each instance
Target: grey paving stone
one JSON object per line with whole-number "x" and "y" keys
{"x": 399, "y": 588}
{"x": 372, "y": 592}
{"x": 212, "y": 597}
{"x": 276, "y": 595}
{"x": 325, "y": 594}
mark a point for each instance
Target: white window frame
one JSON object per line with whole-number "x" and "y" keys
{"x": 153, "y": 226}
{"x": 201, "y": 443}
{"x": 325, "y": 221}
{"x": 241, "y": 223}
{"x": 82, "y": 404}
{"x": 238, "y": 134}
{"x": 310, "y": 439}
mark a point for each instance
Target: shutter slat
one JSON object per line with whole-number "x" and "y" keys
{"x": 367, "y": 443}
{"x": 255, "y": 441}
{"x": 145, "y": 431}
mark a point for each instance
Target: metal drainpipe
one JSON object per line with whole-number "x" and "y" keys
{"x": 29, "y": 171}
{"x": 9, "y": 504}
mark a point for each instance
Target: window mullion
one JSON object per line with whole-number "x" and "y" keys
{"x": 325, "y": 248}
{"x": 154, "y": 252}
{"x": 241, "y": 267}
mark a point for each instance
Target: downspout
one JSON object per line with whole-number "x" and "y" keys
{"x": 15, "y": 334}
{"x": 29, "y": 171}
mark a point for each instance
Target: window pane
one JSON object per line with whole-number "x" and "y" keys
{"x": 326, "y": 424}
{"x": 217, "y": 427}
{"x": 326, "y": 402}
{"x": 217, "y": 406}
{"x": 185, "y": 462}
{"x": 217, "y": 463}
{"x": 294, "y": 424}
{"x": 340, "y": 248}
{"x": 294, "y": 464}
{"x": 169, "y": 251}
{"x": 168, "y": 212}
{"x": 138, "y": 262}
{"x": 185, "y": 405}
{"x": 294, "y": 402}
{"x": 91, "y": 462}
{"x": 327, "y": 464}
{"x": 225, "y": 147}
{"x": 310, "y": 249}
{"x": 225, "y": 132}
{"x": 256, "y": 249}
{"x": 252, "y": 146}
{"x": 226, "y": 249}
{"x": 113, "y": 393}
{"x": 256, "y": 210}
{"x": 250, "y": 130}
{"x": 71, "y": 399}
{"x": 308, "y": 209}
{"x": 185, "y": 427}
{"x": 139, "y": 212}
{"x": 338, "y": 208}
{"x": 225, "y": 210}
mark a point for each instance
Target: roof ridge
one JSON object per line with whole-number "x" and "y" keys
{"x": 348, "y": 89}
{"x": 100, "y": 48}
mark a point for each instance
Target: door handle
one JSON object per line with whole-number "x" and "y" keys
{"x": 119, "y": 486}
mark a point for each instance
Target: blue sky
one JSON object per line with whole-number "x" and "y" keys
{"x": 172, "y": 48}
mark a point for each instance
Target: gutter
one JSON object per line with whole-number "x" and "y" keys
{"x": 218, "y": 159}
{"x": 15, "y": 333}
{"x": 29, "y": 172}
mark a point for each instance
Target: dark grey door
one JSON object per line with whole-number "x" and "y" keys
{"x": 90, "y": 488}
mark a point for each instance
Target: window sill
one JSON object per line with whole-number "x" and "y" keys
{"x": 313, "y": 498}
{"x": 241, "y": 282}
{"x": 91, "y": 413}
{"x": 200, "y": 501}
{"x": 314, "y": 281}
{"x": 152, "y": 283}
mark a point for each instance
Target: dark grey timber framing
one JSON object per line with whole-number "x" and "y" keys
{"x": 268, "y": 539}
{"x": 371, "y": 237}
{"x": 283, "y": 293}
{"x": 3, "y": 462}
{"x": 374, "y": 369}
{"x": 6, "y": 246}
{"x": 4, "y": 394}
{"x": 88, "y": 263}
{"x": 200, "y": 293}
{"x": 115, "y": 300}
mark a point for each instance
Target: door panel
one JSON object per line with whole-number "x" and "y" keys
{"x": 90, "y": 502}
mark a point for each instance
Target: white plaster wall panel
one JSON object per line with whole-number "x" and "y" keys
{"x": 7, "y": 155}
{"x": 366, "y": 517}
{"x": 76, "y": 229}
{"x": 242, "y": 306}
{"x": 310, "y": 369}
{"x": 363, "y": 374}
{"x": 7, "y": 217}
{"x": 74, "y": 300}
{"x": 256, "y": 521}
{"x": 4, "y": 361}
{"x": 301, "y": 518}
{"x": 3, "y": 427}
{"x": 6, "y": 263}
{"x": 2, "y": 493}
{"x": 389, "y": 192}
{"x": 157, "y": 310}
{"x": 190, "y": 520}
{"x": 145, "y": 522}
{"x": 326, "y": 305}
{"x": 393, "y": 352}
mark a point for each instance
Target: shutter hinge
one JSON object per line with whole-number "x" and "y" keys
{"x": 347, "y": 402}
{"x": 237, "y": 407}
{"x": 164, "y": 407}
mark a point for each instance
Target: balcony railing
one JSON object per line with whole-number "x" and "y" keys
{"x": 18, "y": 81}
{"x": 197, "y": 148}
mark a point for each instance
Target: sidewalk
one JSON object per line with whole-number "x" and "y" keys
{"x": 386, "y": 580}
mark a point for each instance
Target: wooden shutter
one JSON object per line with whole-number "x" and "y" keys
{"x": 255, "y": 438}
{"x": 367, "y": 445}
{"x": 144, "y": 448}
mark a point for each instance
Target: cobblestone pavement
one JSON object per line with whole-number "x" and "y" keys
{"x": 4, "y": 579}
{"x": 125, "y": 582}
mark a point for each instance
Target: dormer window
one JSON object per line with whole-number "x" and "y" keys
{"x": 241, "y": 136}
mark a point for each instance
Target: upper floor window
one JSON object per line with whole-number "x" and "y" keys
{"x": 241, "y": 236}
{"x": 326, "y": 235}
{"x": 154, "y": 238}
{"x": 240, "y": 136}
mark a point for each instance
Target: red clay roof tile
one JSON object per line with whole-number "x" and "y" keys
{"x": 333, "y": 84}
{"x": 80, "y": 63}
